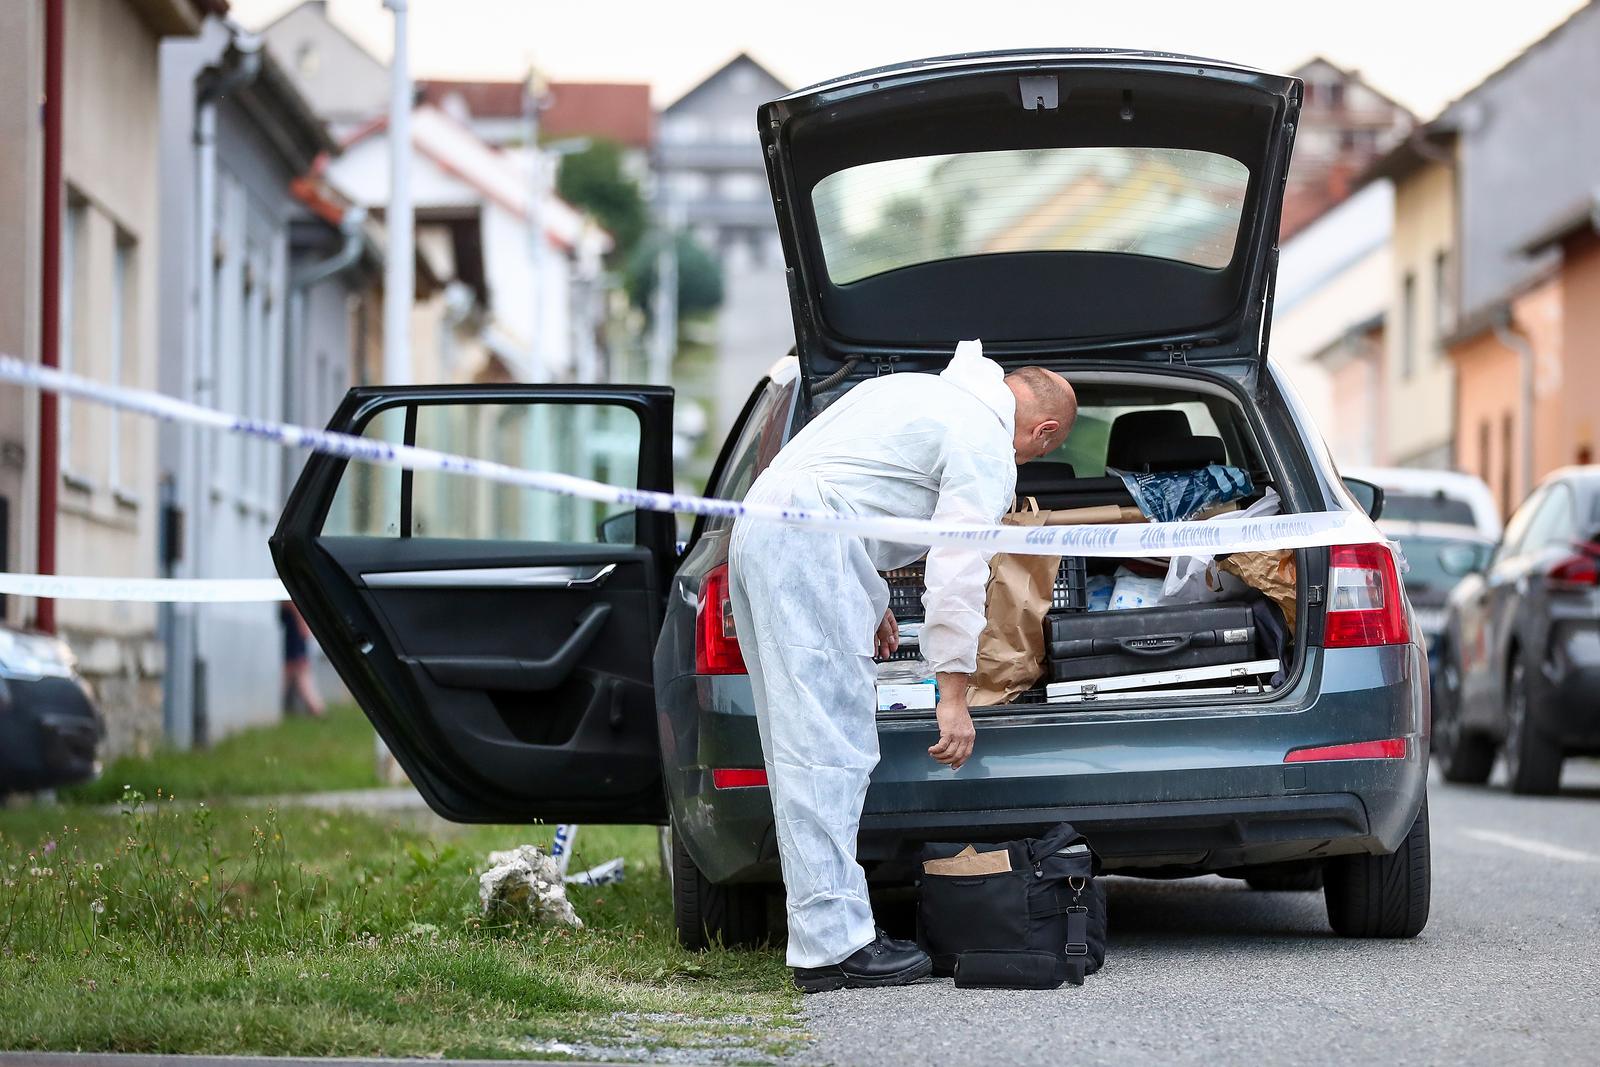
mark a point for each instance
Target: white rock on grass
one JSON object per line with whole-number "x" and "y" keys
{"x": 526, "y": 881}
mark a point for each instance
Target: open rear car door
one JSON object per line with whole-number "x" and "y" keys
{"x": 499, "y": 638}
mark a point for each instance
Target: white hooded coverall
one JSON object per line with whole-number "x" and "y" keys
{"x": 807, "y": 603}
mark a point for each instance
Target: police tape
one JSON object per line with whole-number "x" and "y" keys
{"x": 144, "y": 590}
{"x": 1208, "y": 537}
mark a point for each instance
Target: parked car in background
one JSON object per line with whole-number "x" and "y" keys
{"x": 50, "y": 729}
{"x": 1446, "y": 498}
{"x": 1435, "y": 553}
{"x": 1520, "y": 650}
{"x": 530, "y": 657}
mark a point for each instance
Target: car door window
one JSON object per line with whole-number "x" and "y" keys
{"x": 1554, "y": 523}
{"x": 1517, "y": 528}
{"x": 596, "y": 441}
{"x": 759, "y": 440}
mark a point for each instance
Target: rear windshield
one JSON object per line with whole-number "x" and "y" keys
{"x": 1427, "y": 507}
{"x": 1168, "y": 203}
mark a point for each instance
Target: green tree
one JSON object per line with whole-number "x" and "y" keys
{"x": 595, "y": 181}
{"x": 699, "y": 276}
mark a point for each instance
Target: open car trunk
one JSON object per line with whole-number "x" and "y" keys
{"x": 1231, "y": 645}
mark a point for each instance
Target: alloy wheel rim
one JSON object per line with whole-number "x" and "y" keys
{"x": 1448, "y": 729}
{"x": 1516, "y": 713}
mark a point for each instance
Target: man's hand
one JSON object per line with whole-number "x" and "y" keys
{"x": 887, "y": 640}
{"x": 956, "y": 733}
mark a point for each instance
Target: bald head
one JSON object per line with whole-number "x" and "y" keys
{"x": 1046, "y": 410}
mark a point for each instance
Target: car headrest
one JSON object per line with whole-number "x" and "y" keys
{"x": 1044, "y": 477}
{"x": 1160, "y": 440}
{"x": 1133, "y": 431}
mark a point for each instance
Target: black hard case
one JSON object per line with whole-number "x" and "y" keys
{"x": 1104, "y": 644}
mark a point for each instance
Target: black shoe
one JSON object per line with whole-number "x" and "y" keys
{"x": 897, "y": 943}
{"x": 882, "y": 963}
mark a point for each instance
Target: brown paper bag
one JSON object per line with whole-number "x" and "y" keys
{"x": 1011, "y": 647}
{"x": 969, "y": 861}
{"x": 1273, "y": 573}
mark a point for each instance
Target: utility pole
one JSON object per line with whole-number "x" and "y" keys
{"x": 399, "y": 272}
{"x": 532, "y": 101}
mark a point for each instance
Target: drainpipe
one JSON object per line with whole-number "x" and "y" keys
{"x": 1507, "y": 333}
{"x": 55, "y": 32}
{"x": 349, "y": 253}
{"x": 352, "y": 227}
{"x": 240, "y": 63}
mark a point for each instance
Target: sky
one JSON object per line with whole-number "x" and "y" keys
{"x": 1422, "y": 53}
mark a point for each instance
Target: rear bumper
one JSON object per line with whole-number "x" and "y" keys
{"x": 1571, "y": 712}
{"x": 1201, "y": 834}
{"x": 1178, "y": 789}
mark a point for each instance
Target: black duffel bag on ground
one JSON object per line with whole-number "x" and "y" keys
{"x": 1026, "y": 914}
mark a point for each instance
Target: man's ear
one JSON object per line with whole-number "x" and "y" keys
{"x": 1047, "y": 429}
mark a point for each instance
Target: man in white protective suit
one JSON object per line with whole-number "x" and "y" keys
{"x": 811, "y": 610}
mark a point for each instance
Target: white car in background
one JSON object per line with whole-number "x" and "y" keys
{"x": 1434, "y": 513}
{"x": 1435, "y": 497}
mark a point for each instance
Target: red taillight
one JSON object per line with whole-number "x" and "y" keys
{"x": 1365, "y": 604}
{"x": 1393, "y": 748}
{"x": 1578, "y": 571}
{"x": 716, "y": 645}
{"x": 738, "y": 777}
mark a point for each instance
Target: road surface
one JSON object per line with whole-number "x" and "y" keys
{"x": 1208, "y": 971}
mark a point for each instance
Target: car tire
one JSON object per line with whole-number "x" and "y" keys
{"x": 1382, "y": 896}
{"x": 1463, "y": 755}
{"x": 1287, "y": 877}
{"x": 1533, "y": 761}
{"x": 708, "y": 914}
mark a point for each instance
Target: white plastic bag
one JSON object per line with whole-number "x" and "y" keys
{"x": 1196, "y": 579}
{"x": 1132, "y": 591}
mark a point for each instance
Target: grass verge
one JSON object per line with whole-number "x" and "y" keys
{"x": 238, "y": 930}
{"x": 297, "y": 755}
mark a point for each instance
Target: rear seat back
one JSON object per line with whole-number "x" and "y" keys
{"x": 1160, "y": 440}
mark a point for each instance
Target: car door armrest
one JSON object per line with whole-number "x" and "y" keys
{"x": 513, "y": 673}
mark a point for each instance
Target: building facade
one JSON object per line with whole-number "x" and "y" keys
{"x": 243, "y": 330}
{"x": 1526, "y": 146}
{"x": 711, "y": 179}
{"x": 1527, "y": 149}
{"x": 342, "y": 81}
{"x": 1345, "y": 124}
{"x": 1334, "y": 279}
{"x": 108, "y": 494}
{"x": 20, "y": 193}
{"x": 1419, "y": 381}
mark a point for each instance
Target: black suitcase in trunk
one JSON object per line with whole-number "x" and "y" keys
{"x": 1103, "y": 644}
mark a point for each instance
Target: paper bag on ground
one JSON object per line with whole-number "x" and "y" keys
{"x": 1273, "y": 573}
{"x": 969, "y": 862}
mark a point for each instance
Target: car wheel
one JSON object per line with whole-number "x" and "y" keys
{"x": 708, "y": 914}
{"x": 1286, "y": 877}
{"x": 1382, "y": 896}
{"x": 1533, "y": 762}
{"x": 1463, "y": 755}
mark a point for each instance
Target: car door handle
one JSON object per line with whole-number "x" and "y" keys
{"x": 513, "y": 673}
{"x": 554, "y": 576}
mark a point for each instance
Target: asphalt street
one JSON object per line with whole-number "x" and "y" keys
{"x": 1208, "y": 971}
